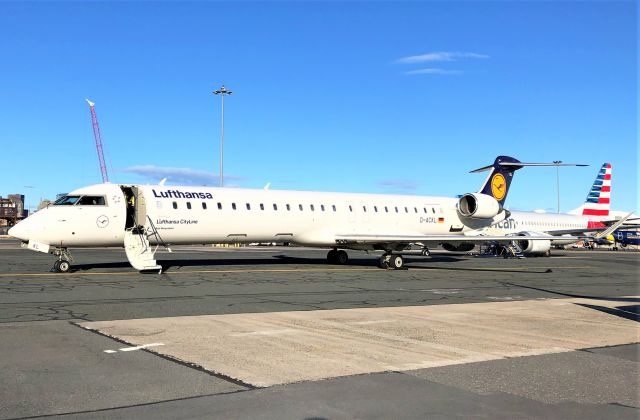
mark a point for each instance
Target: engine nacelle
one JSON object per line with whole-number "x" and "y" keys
{"x": 460, "y": 247}
{"x": 478, "y": 206}
{"x": 542, "y": 247}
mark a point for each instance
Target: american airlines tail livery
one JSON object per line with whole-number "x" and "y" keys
{"x": 593, "y": 216}
{"x": 143, "y": 217}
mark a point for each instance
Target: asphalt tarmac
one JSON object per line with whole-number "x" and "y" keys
{"x": 57, "y": 358}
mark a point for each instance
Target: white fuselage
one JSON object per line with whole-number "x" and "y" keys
{"x": 202, "y": 215}
{"x": 556, "y": 224}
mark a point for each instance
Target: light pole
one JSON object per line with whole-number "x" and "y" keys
{"x": 222, "y": 91}
{"x": 558, "y": 162}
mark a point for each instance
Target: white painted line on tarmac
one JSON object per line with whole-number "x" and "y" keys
{"x": 442, "y": 291}
{"x": 144, "y": 346}
{"x": 505, "y": 297}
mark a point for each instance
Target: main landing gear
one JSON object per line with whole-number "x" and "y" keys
{"x": 387, "y": 260}
{"x": 393, "y": 261}
{"x": 337, "y": 257}
{"x": 63, "y": 264}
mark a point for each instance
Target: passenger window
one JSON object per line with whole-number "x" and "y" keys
{"x": 333, "y": 206}
{"x": 425, "y": 209}
{"x": 175, "y": 205}
{"x": 300, "y": 207}
{"x": 350, "y": 208}
{"x": 364, "y": 208}
{"x": 322, "y": 207}
{"x": 288, "y": 207}
{"x": 312, "y": 208}
{"x": 433, "y": 210}
{"x": 204, "y": 205}
{"x": 416, "y": 209}
{"x": 248, "y": 206}
{"x": 233, "y": 206}
{"x": 396, "y": 209}
{"x": 275, "y": 206}
{"x": 219, "y": 206}
{"x": 91, "y": 200}
{"x": 261, "y": 206}
{"x": 386, "y": 209}
{"x": 406, "y": 210}
{"x": 189, "y": 205}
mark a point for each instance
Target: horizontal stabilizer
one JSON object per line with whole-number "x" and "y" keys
{"x": 518, "y": 165}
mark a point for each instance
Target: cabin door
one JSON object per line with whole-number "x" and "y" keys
{"x": 140, "y": 207}
{"x": 136, "y": 206}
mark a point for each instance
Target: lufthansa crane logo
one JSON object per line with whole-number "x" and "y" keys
{"x": 102, "y": 221}
{"x": 498, "y": 186}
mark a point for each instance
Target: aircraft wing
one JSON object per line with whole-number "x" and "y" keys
{"x": 409, "y": 239}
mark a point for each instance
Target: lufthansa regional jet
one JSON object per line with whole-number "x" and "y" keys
{"x": 143, "y": 217}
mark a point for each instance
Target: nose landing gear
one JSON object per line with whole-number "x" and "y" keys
{"x": 63, "y": 264}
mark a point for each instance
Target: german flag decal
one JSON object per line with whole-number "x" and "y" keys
{"x": 440, "y": 219}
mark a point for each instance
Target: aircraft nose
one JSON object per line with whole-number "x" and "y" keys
{"x": 20, "y": 231}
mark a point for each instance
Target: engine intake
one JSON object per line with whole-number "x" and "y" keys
{"x": 478, "y": 206}
{"x": 534, "y": 247}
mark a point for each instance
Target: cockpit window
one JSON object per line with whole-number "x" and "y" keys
{"x": 85, "y": 200}
{"x": 67, "y": 200}
{"x": 91, "y": 200}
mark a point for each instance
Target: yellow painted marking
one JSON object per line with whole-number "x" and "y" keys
{"x": 283, "y": 270}
{"x": 122, "y": 273}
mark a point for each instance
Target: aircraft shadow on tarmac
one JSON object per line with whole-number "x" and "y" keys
{"x": 276, "y": 260}
{"x": 630, "y": 312}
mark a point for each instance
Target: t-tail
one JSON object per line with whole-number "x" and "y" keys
{"x": 499, "y": 180}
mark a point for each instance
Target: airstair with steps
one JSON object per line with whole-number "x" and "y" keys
{"x": 140, "y": 252}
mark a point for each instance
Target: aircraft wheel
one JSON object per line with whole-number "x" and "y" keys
{"x": 396, "y": 262}
{"x": 62, "y": 266}
{"x": 341, "y": 257}
{"x": 331, "y": 256}
{"x": 383, "y": 262}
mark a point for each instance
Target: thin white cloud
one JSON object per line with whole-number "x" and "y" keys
{"x": 433, "y": 71}
{"x": 439, "y": 56}
{"x": 399, "y": 184}
{"x": 174, "y": 175}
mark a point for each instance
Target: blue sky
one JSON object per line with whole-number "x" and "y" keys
{"x": 390, "y": 97}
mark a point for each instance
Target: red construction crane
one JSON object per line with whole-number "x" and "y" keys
{"x": 96, "y": 134}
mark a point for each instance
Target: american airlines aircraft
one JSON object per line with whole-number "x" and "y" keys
{"x": 143, "y": 217}
{"x": 593, "y": 216}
